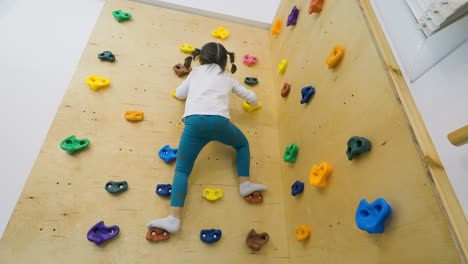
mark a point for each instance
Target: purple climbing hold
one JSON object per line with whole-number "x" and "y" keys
{"x": 292, "y": 18}
{"x": 100, "y": 233}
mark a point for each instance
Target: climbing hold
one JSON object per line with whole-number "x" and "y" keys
{"x": 212, "y": 194}
{"x": 180, "y": 70}
{"x": 186, "y": 48}
{"x": 249, "y": 60}
{"x": 251, "y": 81}
{"x": 256, "y": 241}
{"x": 220, "y": 32}
{"x": 286, "y": 89}
{"x": 134, "y": 115}
{"x": 307, "y": 93}
{"x": 174, "y": 95}
{"x": 121, "y": 16}
{"x": 335, "y": 56}
{"x": 319, "y": 174}
{"x": 292, "y": 18}
{"x": 157, "y": 234}
{"x": 356, "y": 146}
{"x": 282, "y": 66}
{"x": 249, "y": 108}
{"x": 95, "y": 82}
{"x": 100, "y": 233}
{"x": 276, "y": 28}
{"x": 371, "y": 217}
{"x": 290, "y": 154}
{"x": 302, "y": 233}
{"x": 106, "y": 56}
{"x": 71, "y": 144}
{"x": 315, "y": 6}
{"x": 255, "y": 197}
{"x": 168, "y": 154}
{"x": 116, "y": 187}
{"x": 297, "y": 188}
{"x": 164, "y": 190}
{"x": 210, "y": 235}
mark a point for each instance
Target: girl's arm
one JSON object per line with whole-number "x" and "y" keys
{"x": 181, "y": 92}
{"x": 244, "y": 93}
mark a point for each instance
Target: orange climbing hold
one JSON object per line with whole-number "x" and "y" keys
{"x": 134, "y": 115}
{"x": 336, "y": 55}
{"x": 319, "y": 174}
{"x": 276, "y": 28}
{"x": 302, "y": 233}
{"x": 315, "y": 6}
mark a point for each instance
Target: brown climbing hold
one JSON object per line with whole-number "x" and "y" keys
{"x": 256, "y": 241}
{"x": 255, "y": 197}
{"x": 157, "y": 234}
{"x": 315, "y": 6}
{"x": 180, "y": 70}
{"x": 286, "y": 89}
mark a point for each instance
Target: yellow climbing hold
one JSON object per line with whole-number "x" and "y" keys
{"x": 212, "y": 194}
{"x": 95, "y": 82}
{"x": 187, "y": 48}
{"x": 220, "y": 32}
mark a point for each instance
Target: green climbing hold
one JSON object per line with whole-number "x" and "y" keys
{"x": 356, "y": 146}
{"x": 251, "y": 81}
{"x": 72, "y": 144}
{"x": 121, "y": 16}
{"x": 116, "y": 187}
{"x": 291, "y": 153}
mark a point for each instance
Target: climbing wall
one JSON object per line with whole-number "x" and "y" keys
{"x": 64, "y": 196}
{"x": 354, "y": 99}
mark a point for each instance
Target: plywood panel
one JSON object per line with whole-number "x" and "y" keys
{"x": 356, "y": 98}
{"x": 65, "y": 194}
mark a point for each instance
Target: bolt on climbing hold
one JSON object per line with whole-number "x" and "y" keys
{"x": 106, "y": 56}
{"x": 168, "y": 154}
{"x": 210, "y": 235}
{"x": 174, "y": 95}
{"x": 186, "y": 48}
{"x": 371, "y": 217}
{"x": 292, "y": 18}
{"x": 276, "y": 28}
{"x": 297, "y": 188}
{"x": 101, "y": 233}
{"x": 120, "y": 16}
{"x": 319, "y": 174}
{"x": 255, "y": 197}
{"x": 250, "y": 108}
{"x": 302, "y": 233}
{"x": 180, "y": 70}
{"x": 335, "y": 56}
{"x": 285, "y": 90}
{"x": 134, "y": 115}
{"x": 249, "y": 59}
{"x": 71, "y": 144}
{"x": 95, "y": 82}
{"x": 256, "y": 241}
{"x": 290, "y": 154}
{"x": 307, "y": 93}
{"x": 212, "y": 194}
{"x": 116, "y": 187}
{"x": 157, "y": 234}
{"x": 220, "y": 32}
{"x": 164, "y": 190}
{"x": 356, "y": 146}
{"x": 251, "y": 81}
{"x": 282, "y": 66}
{"x": 315, "y": 6}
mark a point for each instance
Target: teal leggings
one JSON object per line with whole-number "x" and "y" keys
{"x": 200, "y": 130}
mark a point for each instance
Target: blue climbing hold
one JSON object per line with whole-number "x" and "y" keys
{"x": 210, "y": 235}
{"x": 164, "y": 190}
{"x": 307, "y": 93}
{"x": 371, "y": 217}
{"x": 167, "y": 154}
{"x": 297, "y": 188}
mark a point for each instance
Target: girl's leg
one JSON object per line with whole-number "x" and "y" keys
{"x": 191, "y": 143}
{"x": 230, "y": 135}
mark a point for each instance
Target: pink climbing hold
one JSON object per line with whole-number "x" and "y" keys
{"x": 249, "y": 59}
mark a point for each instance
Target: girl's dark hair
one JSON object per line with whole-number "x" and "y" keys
{"x": 212, "y": 53}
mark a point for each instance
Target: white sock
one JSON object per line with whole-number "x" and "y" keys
{"x": 247, "y": 188}
{"x": 170, "y": 224}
